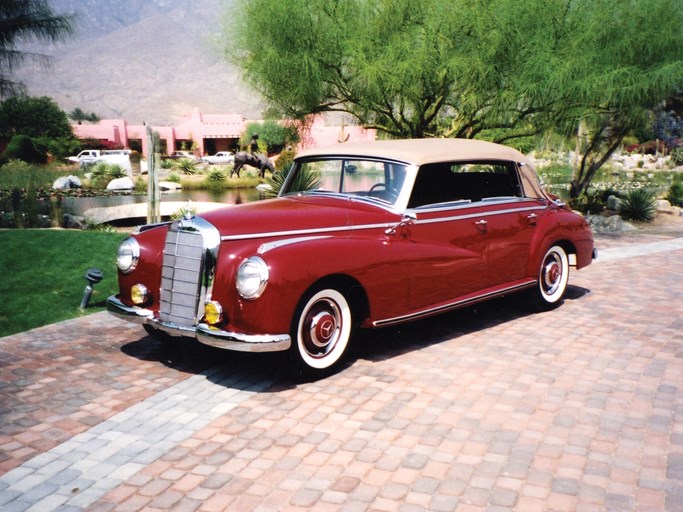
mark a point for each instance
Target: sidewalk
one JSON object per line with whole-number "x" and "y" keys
{"x": 493, "y": 408}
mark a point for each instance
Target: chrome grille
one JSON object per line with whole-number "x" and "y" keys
{"x": 181, "y": 277}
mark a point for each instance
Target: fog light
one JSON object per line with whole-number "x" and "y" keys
{"x": 213, "y": 313}
{"x": 138, "y": 294}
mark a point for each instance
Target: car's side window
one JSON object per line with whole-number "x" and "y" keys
{"x": 464, "y": 182}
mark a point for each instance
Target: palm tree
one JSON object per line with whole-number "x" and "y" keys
{"x": 79, "y": 115}
{"x": 21, "y": 21}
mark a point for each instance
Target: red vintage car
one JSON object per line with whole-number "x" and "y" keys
{"x": 363, "y": 235}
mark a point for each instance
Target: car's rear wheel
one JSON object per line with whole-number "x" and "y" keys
{"x": 552, "y": 278}
{"x": 321, "y": 330}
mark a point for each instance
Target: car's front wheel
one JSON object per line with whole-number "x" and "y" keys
{"x": 552, "y": 278}
{"x": 321, "y": 331}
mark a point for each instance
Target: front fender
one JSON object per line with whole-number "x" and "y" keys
{"x": 294, "y": 267}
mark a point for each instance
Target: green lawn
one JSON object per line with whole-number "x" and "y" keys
{"x": 42, "y": 275}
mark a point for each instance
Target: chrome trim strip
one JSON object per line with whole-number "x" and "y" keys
{"x": 203, "y": 332}
{"x": 131, "y": 314}
{"x": 453, "y": 305}
{"x": 242, "y": 342}
{"x": 336, "y": 229}
{"x": 478, "y": 215}
{"x": 271, "y": 234}
{"x": 269, "y": 246}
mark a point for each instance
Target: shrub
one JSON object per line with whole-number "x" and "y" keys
{"x": 677, "y": 155}
{"x": 167, "y": 163}
{"x": 284, "y": 161}
{"x": 216, "y": 176}
{"x": 639, "y": 205}
{"x": 187, "y": 166}
{"x": 675, "y": 194}
{"x": 103, "y": 173}
{"x": 21, "y": 147}
{"x": 590, "y": 202}
{"x": 173, "y": 177}
{"x": 303, "y": 181}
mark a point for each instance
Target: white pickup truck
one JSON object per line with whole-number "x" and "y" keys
{"x": 86, "y": 154}
{"x": 111, "y": 156}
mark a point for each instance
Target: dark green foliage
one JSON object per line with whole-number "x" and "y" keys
{"x": 460, "y": 68}
{"x": 638, "y": 205}
{"x": 35, "y": 117}
{"x": 589, "y": 203}
{"x": 677, "y": 155}
{"x": 303, "y": 181}
{"x": 187, "y": 166}
{"x": 216, "y": 176}
{"x": 273, "y": 136}
{"x": 103, "y": 173}
{"x": 79, "y": 115}
{"x": 21, "y": 147}
{"x": 675, "y": 194}
{"x": 20, "y": 22}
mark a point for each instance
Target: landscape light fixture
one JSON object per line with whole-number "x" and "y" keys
{"x": 93, "y": 275}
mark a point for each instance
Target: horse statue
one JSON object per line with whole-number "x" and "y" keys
{"x": 258, "y": 160}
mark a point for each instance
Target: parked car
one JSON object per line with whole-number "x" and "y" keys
{"x": 222, "y": 157}
{"x": 177, "y": 155}
{"x": 361, "y": 235}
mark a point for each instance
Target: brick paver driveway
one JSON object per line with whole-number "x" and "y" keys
{"x": 491, "y": 408}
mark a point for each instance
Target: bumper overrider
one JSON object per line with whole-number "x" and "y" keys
{"x": 204, "y": 333}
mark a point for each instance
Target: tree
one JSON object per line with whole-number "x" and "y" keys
{"x": 21, "y": 21}
{"x": 495, "y": 69}
{"x": 79, "y": 115}
{"x": 35, "y": 117}
{"x": 21, "y": 147}
{"x": 275, "y": 135}
{"x": 42, "y": 120}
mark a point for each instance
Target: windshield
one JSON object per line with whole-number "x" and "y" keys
{"x": 369, "y": 180}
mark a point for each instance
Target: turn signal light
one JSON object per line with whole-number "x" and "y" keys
{"x": 213, "y": 313}
{"x": 139, "y": 294}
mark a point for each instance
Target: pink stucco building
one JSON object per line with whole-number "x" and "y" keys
{"x": 210, "y": 133}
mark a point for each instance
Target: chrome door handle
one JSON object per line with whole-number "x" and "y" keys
{"x": 480, "y": 223}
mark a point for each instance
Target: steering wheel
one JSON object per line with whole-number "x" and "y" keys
{"x": 390, "y": 192}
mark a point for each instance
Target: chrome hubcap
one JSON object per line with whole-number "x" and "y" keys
{"x": 321, "y": 328}
{"x": 552, "y": 274}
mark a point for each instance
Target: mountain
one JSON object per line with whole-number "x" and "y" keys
{"x": 142, "y": 60}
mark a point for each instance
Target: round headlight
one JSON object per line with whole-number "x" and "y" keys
{"x": 128, "y": 255}
{"x": 252, "y": 278}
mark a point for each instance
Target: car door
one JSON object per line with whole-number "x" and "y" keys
{"x": 448, "y": 247}
{"x": 448, "y": 254}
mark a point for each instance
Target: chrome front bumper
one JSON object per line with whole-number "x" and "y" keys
{"x": 204, "y": 333}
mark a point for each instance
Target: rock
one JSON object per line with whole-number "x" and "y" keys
{"x": 73, "y": 221}
{"x": 613, "y": 203}
{"x": 612, "y": 224}
{"x": 169, "y": 186}
{"x": 121, "y": 184}
{"x": 665, "y": 207}
{"x": 67, "y": 182}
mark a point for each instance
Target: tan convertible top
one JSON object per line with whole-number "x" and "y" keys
{"x": 421, "y": 151}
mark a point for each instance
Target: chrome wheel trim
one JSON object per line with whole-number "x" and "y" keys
{"x": 554, "y": 274}
{"x": 323, "y": 329}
